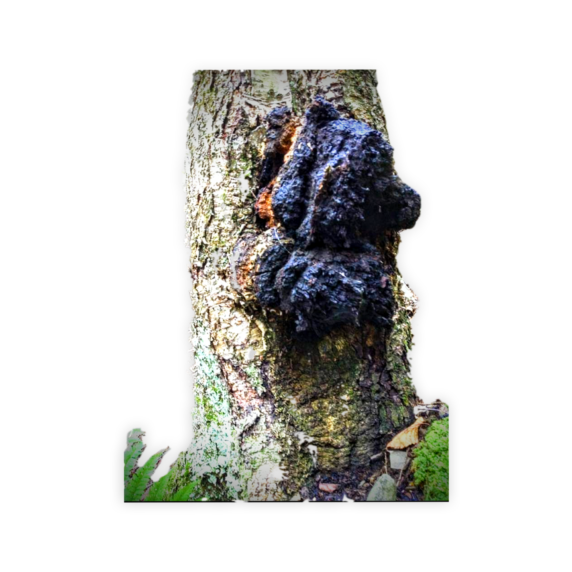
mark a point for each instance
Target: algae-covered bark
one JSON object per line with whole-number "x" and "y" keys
{"x": 273, "y": 412}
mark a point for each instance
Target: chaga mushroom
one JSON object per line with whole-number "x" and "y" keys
{"x": 328, "y": 194}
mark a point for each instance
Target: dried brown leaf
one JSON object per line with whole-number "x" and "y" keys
{"x": 407, "y": 437}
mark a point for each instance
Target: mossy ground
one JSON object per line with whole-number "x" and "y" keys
{"x": 431, "y": 462}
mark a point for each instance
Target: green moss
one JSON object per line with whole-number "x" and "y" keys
{"x": 254, "y": 378}
{"x": 384, "y": 426}
{"x": 431, "y": 463}
{"x": 399, "y": 415}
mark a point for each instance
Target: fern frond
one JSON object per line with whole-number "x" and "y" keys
{"x": 159, "y": 488}
{"x": 134, "y": 450}
{"x": 141, "y": 480}
{"x": 184, "y": 493}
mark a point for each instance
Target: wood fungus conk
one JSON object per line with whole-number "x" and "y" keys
{"x": 328, "y": 192}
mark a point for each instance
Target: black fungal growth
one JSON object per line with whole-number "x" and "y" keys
{"x": 276, "y": 147}
{"x": 336, "y": 195}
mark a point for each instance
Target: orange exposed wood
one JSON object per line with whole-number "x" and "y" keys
{"x": 264, "y": 206}
{"x": 288, "y": 138}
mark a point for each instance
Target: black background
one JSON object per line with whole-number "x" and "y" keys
{"x": 428, "y": 121}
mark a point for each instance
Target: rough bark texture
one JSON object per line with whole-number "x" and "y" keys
{"x": 275, "y": 413}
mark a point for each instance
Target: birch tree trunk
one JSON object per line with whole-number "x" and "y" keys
{"x": 275, "y": 415}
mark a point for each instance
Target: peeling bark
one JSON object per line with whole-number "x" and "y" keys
{"x": 273, "y": 412}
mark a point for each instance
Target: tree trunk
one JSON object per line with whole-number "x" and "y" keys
{"x": 277, "y": 413}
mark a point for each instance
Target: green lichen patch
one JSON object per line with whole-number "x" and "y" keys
{"x": 253, "y": 375}
{"x": 431, "y": 462}
{"x": 228, "y": 460}
{"x": 212, "y": 455}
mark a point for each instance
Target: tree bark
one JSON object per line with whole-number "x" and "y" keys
{"x": 275, "y": 415}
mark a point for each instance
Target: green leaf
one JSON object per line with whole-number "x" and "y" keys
{"x": 141, "y": 480}
{"x": 184, "y": 493}
{"x": 132, "y": 453}
{"x": 157, "y": 490}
